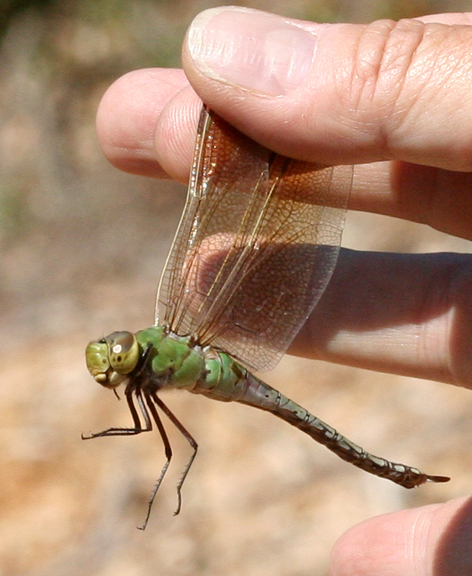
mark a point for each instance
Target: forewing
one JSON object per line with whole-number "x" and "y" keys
{"x": 256, "y": 245}
{"x": 224, "y": 160}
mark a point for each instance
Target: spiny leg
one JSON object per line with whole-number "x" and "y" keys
{"x": 190, "y": 439}
{"x": 137, "y": 429}
{"x": 167, "y": 450}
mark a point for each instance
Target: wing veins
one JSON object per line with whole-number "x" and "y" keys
{"x": 250, "y": 212}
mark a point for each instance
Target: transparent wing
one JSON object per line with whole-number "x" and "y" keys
{"x": 255, "y": 248}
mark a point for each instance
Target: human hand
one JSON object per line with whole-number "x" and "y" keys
{"x": 395, "y": 98}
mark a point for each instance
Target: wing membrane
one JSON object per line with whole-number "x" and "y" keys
{"x": 255, "y": 248}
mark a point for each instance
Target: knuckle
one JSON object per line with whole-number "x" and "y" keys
{"x": 384, "y": 57}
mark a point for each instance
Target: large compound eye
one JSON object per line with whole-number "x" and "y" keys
{"x": 123, "y": 351}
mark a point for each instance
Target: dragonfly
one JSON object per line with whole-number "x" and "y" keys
{"x": 255, "y": 248}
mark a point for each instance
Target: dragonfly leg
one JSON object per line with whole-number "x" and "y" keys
{"x": 137, "y": 428}
{"x": 190, "y": 439}
{"x": 167, "y": 451}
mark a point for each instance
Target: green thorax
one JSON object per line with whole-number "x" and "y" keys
{"x": 172, "y": 357}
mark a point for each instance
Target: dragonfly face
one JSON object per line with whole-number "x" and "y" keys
{"x": 111, "y": 359}
{"x": 255, "y": 249}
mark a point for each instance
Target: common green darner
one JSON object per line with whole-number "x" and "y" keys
{"x": 254, "y": 251}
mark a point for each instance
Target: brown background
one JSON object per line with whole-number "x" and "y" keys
{"x": 81, "y": 250}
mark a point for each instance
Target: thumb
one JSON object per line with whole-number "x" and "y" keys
{"x": 432, "y": 540}
{"x": 339, "y": 93}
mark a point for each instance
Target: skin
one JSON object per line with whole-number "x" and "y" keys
{"x": 395, "y": 98}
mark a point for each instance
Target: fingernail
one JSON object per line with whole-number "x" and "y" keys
{"x": 253, "y": 50}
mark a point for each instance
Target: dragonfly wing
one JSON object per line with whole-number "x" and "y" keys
{"x": 256, "y": 245}
{"x": 223, "y": 159}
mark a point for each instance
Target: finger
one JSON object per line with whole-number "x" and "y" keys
{"x": 400, "y": 313}
{"x": 338, "y": 93}
{"x": 439, "y": 198}
{"x": 175, "y": 135}
{"x": 128, "y": 115}
{"x": 421, "y": 542}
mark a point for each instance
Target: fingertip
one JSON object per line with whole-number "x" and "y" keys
{"x": 427, "y": 540}
{"x": 361, "y": 548}
{"x": 128, "y": 114}
{"x": 174, "y": 137}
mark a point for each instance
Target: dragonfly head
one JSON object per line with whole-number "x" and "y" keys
{"x": 111, "y": 359}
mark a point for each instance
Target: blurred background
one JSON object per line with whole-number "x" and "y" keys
{"x": 81, "y": 249}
